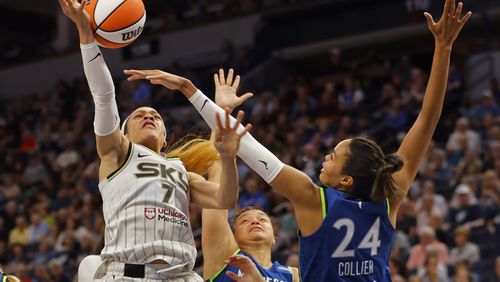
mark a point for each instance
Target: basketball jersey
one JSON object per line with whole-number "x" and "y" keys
{"x": 145, "y": 207}
{"x": 352, "y": 244}
{"x": 276, "y": 273}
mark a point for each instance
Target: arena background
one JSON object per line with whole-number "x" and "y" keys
{"x": 302, "y": 59}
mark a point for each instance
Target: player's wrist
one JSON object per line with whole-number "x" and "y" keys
{"x": 86, "y": 34}
{"x": 188, "y": 88}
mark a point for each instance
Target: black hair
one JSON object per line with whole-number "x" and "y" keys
{"x": 371, "y": 170}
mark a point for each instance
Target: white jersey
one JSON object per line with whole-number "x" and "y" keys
{"x": 145, "y": 207}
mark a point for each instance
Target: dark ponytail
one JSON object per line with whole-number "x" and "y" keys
{"x": 371, "y": 170}
{"x": 383, "y": 185}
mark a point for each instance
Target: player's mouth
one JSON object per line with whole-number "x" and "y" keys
{"x": 149, "y": 124}
{"x": 256, "y": 228}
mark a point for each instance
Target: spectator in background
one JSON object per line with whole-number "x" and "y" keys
{"x": 439, "y": 203}
{"x": 463, "y": 273}
{"x": 433, "y": 270}
{"x": 465, "y": 212}
{"x": 495, "y": 275}
{"x": 37, "y": 228}
{"x": 20, "y": 234}
{"x": 253, "y": 194}
{"x": 351, "y": 97}
{"x": 488, "y": 105}
{"x": 464, "y": 250}
{"x": 418, "y": 252}
{"x": 462, "y": 130}
{"x": 469, "y": 165}
{"x": 438, "y": 170}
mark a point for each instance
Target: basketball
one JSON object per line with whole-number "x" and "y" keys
{"x": 116, "y": 23}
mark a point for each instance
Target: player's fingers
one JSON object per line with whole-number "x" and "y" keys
{"x": 217, "y": 134}
{"x": 229, "y": 79}
{"x": 228, "y": 111}
{"x": 233, "y": 276}
{"x": 458, "y": 11}
{"x": 236, "y": 82}
{"x": 446, "y": 9}
{"x": 134, "y": 72}
{"x": 222, "y": 79}
{"x": 248, "y": 127}
{"x": 218, "y": 120}
{"x": 239, "y": 118}
{"x": 63, "y": 4}
{"x": 465, "y": 18}
{"x": 135, "y": 77}
{"x": 430, "y": 20}
{"x": 245, "y": 97}
{"x": 216, "y": 81}
{"x": 82, "y": 4}
{"x": 451, "y": 11}
{"x": 155, "y": 76}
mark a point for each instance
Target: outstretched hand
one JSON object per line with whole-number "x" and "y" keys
{"x": 227, "y": 139}
{"x": 450, "y": 24}
{"x": 249, "y": 269}
{"x": 75, "y": 12}
{"x": 168, "y": 80}
{"x": 225, "y": 90}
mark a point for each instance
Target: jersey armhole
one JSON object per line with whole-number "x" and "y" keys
{"x": 388, "y": 207}
{"x": 124, "y": 164}
{"x": 211, "y": 279}
{"x": 324, "y": 202}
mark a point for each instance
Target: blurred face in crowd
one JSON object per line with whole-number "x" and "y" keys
{"x": 145, "y": 126}
{"x": 253, "y": 226}
{"x": 460, "y": 238}
{"x": 331, "y": 174}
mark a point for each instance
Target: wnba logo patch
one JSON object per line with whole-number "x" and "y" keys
{"x": 150, "y": 213}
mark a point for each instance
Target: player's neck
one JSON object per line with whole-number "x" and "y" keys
{"x": 261, "y": 253}
{"x": 152, "y": 146}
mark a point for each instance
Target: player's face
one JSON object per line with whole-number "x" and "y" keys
{"x": 253, "y": 226}
{"x": 146, "y": 124}
{"x": 331, "y": 172}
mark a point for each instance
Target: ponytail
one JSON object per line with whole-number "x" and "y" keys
{"x": 371, "y": 170}
{"x": 196, "y": 154}
{"x": 383, "y": 185}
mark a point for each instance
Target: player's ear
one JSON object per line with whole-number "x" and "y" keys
{"x": 346, "y": 180}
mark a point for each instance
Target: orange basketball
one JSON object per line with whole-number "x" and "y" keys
{"x": 116, "y": 23}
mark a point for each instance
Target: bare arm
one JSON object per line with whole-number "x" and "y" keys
{"x": 217, "y": 239}
{"x": 290, "y": 182}
{"x": 207, "y": 194}
{"x": 417, "y": 140}
{"x": 295, "y": 274}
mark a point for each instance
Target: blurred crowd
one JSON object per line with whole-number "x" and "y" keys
{"x": 17, "y": 46}
{"x": 448, "y": 227}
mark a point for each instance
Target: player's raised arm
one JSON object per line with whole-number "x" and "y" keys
{"x": 111, "y": 144}
{"x": 288, "y": 181}
{"x": 217, "y": 239}
{"x": 224, "y": 195}
{"x": 417, "y": 140}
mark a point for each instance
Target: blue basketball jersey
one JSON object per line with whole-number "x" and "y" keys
{"x": 276, "y": 273}
{"x": 352, "y": 244}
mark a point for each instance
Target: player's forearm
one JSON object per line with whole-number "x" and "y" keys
{"x": 254, "y": 154}
{"x": 101, "y": 86}
{"x": 227, "y": 195}
{"x": 436, "y": 87}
